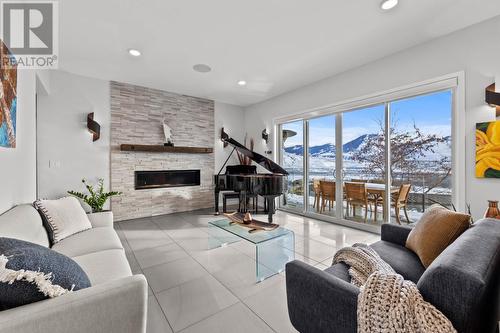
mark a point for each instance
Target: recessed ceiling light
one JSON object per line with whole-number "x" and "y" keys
{"x": 389, "y": 4}
{"x": 202, "y": 68}
{"x": 242, "y": 83}
{"x": 134, "y": 52}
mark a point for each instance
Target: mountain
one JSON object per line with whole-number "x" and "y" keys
{"x": 328, "y": 149}
{"x": 356, "y": 143}
{"x": 296, "y": 150}
{"x": 323, "y": 155}
{"x": 323, "y": 150}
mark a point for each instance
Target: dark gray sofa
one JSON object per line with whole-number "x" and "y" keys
{"x": 463, "y": 283}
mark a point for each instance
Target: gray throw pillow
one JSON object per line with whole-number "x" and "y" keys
{"x": 31, "y": 273}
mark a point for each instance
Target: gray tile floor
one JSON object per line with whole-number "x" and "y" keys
{"x": 192, "y": 289}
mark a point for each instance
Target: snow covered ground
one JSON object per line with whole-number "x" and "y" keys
{"x": 295, "y": 201}
{"x": 324, "y": 168}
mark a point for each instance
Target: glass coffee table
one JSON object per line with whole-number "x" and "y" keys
{"x": 273, "y": 249}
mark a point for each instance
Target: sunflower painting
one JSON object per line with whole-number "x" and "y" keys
{"x": 488, "y": 150}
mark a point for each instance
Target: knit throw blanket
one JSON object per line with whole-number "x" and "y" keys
{"x": 387, "y": 303}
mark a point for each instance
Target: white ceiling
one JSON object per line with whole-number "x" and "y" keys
{"x": 275, "y": 45}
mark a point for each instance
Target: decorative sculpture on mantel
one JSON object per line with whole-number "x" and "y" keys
{"x": 167, "y": 131}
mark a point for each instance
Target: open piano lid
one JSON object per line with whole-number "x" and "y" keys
{"x": 257, "y": 158}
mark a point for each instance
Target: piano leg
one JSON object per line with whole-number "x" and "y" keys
{"x": 243, "y": 199}
{"x": 216, "y": 197}
{"x": 270, "y": 208}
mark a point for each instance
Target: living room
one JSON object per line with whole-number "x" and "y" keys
{"x": 213, "y": 167}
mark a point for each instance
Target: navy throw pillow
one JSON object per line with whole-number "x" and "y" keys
{"x": 31, "y": 273}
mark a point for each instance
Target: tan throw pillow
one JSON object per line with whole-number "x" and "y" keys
{"x": 437, "y": 228}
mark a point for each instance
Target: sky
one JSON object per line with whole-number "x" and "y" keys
{"x": 431, "y": 113}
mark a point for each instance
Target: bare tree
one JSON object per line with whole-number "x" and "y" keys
{"x": 408, "y": 150}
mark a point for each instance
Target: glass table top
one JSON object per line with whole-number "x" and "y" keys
{"x": 243, "y": 232}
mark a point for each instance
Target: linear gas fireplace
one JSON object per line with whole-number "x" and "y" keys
{"x": 166, "y": 178}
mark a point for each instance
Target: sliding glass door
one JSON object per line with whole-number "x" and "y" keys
{"x": 421, "y": 150}
{"x": 321, "y": 165}
{"x": 372, "y": 165}
{"x": 292, "y": 160}
{"x": 363, "y": 151}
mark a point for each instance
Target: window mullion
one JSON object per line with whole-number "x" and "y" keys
{"x": 305, "y": 165}
{"x": 388, "y": 180}
{"x": 339, "y": 157}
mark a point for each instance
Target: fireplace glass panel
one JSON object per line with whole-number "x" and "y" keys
{"x": 166, "y": 178}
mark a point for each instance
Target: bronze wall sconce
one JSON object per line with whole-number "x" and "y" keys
{"x": 224, "y": 137}
{"x": 93, "y": 127}
{"x": 493, "y": 98}
{"x": 265, "y": 135}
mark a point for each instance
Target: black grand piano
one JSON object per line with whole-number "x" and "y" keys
{"x": 245, "y": 179}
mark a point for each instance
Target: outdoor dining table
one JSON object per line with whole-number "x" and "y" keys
{"x": 377, "y": 191}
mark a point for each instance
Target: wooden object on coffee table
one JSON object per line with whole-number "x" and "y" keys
{"x": 247, "y": 221}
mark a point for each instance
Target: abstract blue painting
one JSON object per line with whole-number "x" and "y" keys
{"x": 8, "y": 97}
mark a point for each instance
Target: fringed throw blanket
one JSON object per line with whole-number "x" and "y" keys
{"x": 387, "y": 303}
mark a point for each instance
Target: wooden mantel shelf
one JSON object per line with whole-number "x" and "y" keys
{"x": 166, "y": 149}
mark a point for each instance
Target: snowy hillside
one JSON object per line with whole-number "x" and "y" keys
{"x": 327, "y": 151}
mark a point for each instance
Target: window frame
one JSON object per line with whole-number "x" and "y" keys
{"x": 454, "y": 82}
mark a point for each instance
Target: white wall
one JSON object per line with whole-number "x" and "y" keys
{"x": 473, "y": 50}
{"x": 66, "y": 153}
{"x": 231, "y": 117}
{"x": 18, "y": 165}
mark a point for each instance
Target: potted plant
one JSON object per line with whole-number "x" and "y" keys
{"x": 97, "y": 197}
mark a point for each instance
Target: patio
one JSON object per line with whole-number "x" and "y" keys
{"x": 321, "y": 200}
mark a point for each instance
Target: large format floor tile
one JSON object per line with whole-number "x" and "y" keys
{"x": 147, "y": 237}
{"x": 219, "y": 258}
{"x": 194, "y": 244}
{"x": 159, "y": 255}
{"x": 244, "y": 247}
{"x": 313, "y": 249}
{"x": 157, "y": 322}
{"x": 171, "y": 224}
{"x": 235, "y": 319}
{"x": 138, "y": 244}
{"x": 196, "y": 289}
{"x": 271, "y": 305}
{"x": 240, "y": 278}
{"x": 193, "y": 301}
{"x": 165, "y": 276}
{"x": 186, "y": 233}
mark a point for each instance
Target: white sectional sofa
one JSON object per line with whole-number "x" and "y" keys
{"x": 115, "y": 303}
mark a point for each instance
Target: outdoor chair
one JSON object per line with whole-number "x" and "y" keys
{"x": 317, "y": 194}
{"x": 356, "y": 195}
{"x": 399, "y": 200}
{"x": 327, "y": 189}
